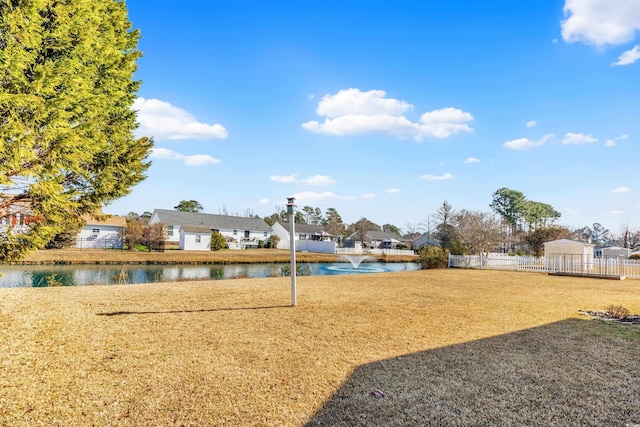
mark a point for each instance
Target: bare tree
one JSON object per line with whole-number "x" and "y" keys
{"x": 628, "y": 237}
{"x": 479, "y": 231}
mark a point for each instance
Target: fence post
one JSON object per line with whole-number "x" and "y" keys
{"x": 449, "y": 261}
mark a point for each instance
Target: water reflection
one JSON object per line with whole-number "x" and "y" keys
{"x": 80, "y": 275}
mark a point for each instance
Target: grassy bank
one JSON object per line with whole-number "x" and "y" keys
{"x": 96, "y": 256}
{"x": 446, "y": 347}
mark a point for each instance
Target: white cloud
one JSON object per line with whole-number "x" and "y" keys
{"x": 610, "y": 143}
{"x": 601, "y": 22}
{"x": 620, "y": 190}
{"x": 628, "y": 57}
{"x": 526, "y": 143}
{"x": 353, "y": 112}
{"x": 192, "y": 160}
{"x": 163, "y": 121}
{"x": 622, "y": 137}
{"x": 264, "y": 201}
{"x": 445, "y": 177}
{"x": 392, "y": 191}
{"x": 531, "y": 124}
{"x": 471, "y": 160}
{"x": 368, "y": 196}
{"x": 578, "y": 139}
{"x": 615, "y": 212}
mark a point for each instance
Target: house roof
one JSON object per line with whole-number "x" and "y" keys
{"x": 195, "y": 229}
{"x": 378, "y": 235}
{"x": 306, "y": 228}
{"x": 212, "y": 221}
{"x": 425, "y": 239}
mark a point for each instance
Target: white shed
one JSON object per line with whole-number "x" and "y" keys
{"x": 195, "y": 238}
{"x": 616, "y": 252}
{"x": 568, "y": 255}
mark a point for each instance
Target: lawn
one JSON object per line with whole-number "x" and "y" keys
{"x": 445, "y": 347}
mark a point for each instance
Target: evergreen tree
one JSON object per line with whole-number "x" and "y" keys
{"x": 66, "y": 123}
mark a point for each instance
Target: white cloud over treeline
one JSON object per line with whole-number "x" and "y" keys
{"x": 353, "y": 112}
{"x": 162, "y": 121}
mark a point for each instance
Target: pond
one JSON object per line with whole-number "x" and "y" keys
{"x": 80, "y": 275}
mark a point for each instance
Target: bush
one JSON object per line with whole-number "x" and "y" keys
{"x": 635, "y": 256}
{"x": 402, "y": 246}
{"x": 218, "y": 241}
{"x": 430, "y": 257}
{"x": 301, "y": 270}
{"x": 617, "y": 312}
{"x": 273, "y": 241}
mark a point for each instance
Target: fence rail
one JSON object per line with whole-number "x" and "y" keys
{"x": 574, "y": 264}
{"x": 360, "y": 251}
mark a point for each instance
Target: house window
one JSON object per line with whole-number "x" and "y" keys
{"x": 235, "y": 232}
{"x": 95, "y": 232}
{"x": 170, "y": 230}
{"x": 198, "y": 238}
{"x": 265, "y": 234}
{"x": 303, "y": 237}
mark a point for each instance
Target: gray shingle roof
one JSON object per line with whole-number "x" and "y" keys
{"x": 211, "y": 221}
{"x": 304, "y": 228}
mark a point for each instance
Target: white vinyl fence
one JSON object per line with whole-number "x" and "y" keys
{"x": 553, "y": 264}
{"x": 360, "y": 251}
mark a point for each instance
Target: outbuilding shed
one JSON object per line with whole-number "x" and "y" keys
{"x": 568, "y": 255}
{"x": 616, "y": 252}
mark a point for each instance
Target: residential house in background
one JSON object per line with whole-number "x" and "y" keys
{"x": 240, "y": 232}
{"x": 424, "y": 241}
{"x": 102, "y": 232}
{"x": 373, "y": 240}
{"x": 309, "y": 238}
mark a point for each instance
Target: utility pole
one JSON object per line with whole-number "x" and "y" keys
{"x": 292, "y": 244}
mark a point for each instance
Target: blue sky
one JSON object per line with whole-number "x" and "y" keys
{"x": 386, "y": 110}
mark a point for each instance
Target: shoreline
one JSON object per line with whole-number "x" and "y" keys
{"x": 175, "y": 257}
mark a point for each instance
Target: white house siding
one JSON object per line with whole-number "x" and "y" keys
{"x": 104, "y": 237}
{"x": 246, "y": 232}
{"x": 195, "y": 239}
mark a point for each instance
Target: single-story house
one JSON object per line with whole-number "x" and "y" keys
{"x": 373, "y": 240}
{"x": 615, "y": 252}
{"x": 425, "y": 240}
{"x": 107, "y": 232}
{"x": 309, "y": 238}
{"x": 240, "y": 232}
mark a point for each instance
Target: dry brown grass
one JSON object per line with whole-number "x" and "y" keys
{"x": 96, "y": 256}
{"x": 447, "y": 347}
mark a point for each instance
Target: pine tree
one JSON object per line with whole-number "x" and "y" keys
{"x": 66, "y": 123}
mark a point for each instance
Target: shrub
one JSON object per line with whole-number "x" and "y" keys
{"x": 402, "y": 246}
{"x": 635, "y": 256}
{"x": 430, "y": 257}
{"x": 301, "y": 270}
{"x": 218, "y": 241}
{"x": 617, "y": 312}
{"x": 273, "y": 241}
